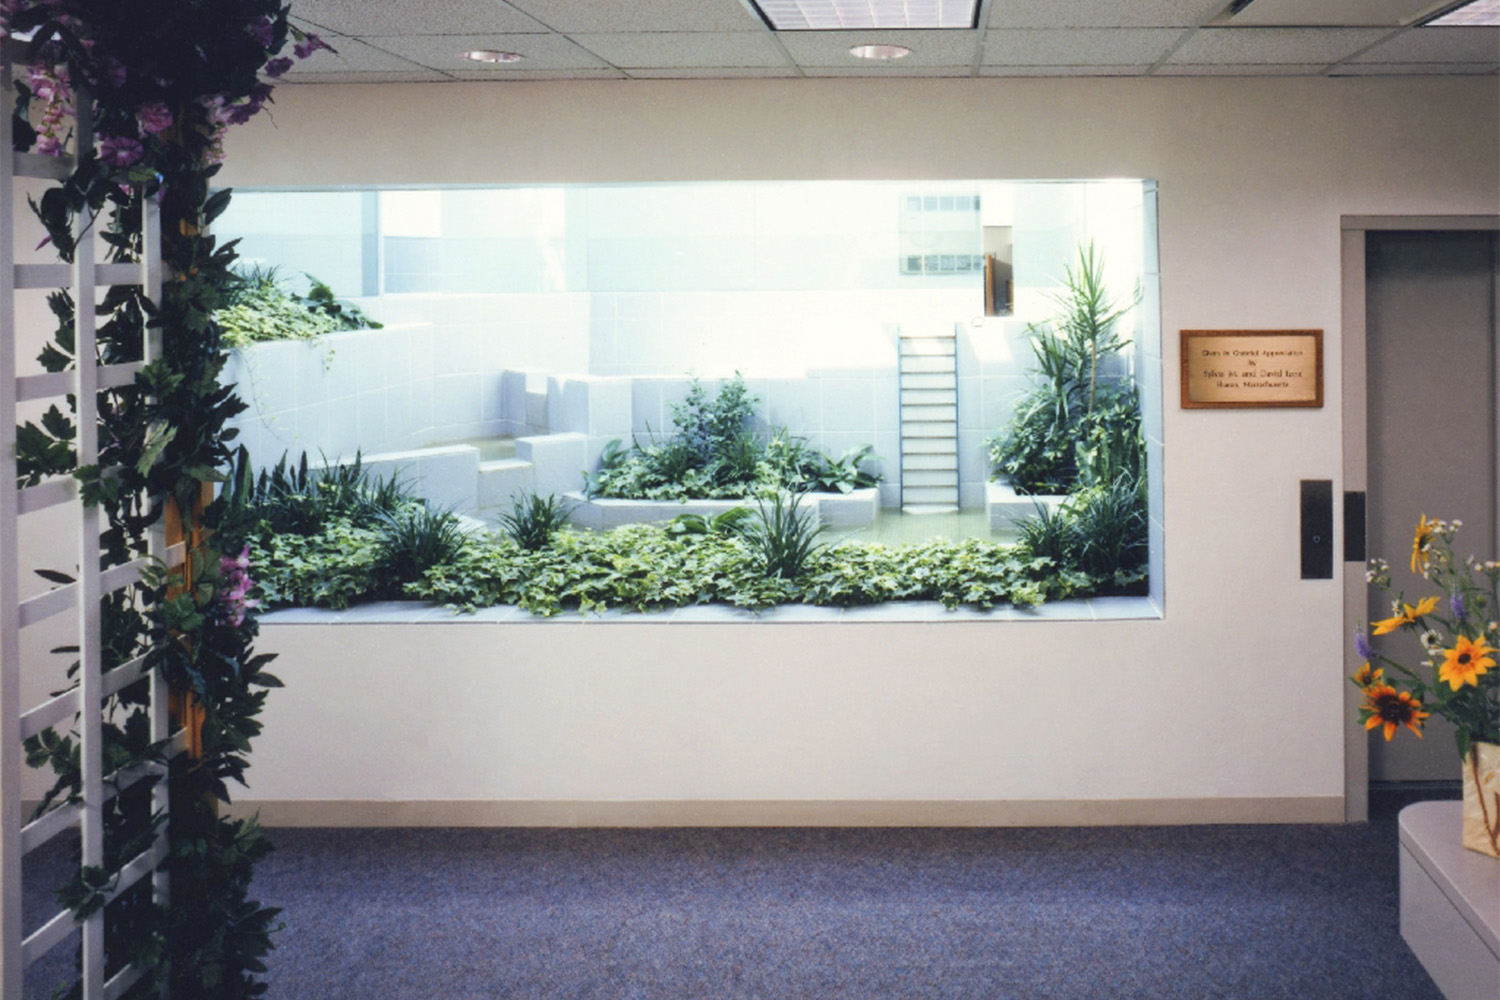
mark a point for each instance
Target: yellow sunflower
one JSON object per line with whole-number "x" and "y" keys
{"x": 1419, "y": 543}
{"x": 1391, "y": 708}
{"x": 1465, "y": 662}
{"x": 1408, "y": 616}
{"x": 1368, "y": 676}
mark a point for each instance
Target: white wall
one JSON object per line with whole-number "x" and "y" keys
{"x": 1237, "y": 694}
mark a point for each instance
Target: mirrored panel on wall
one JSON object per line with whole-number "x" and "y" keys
{"x": 957, "y": 354}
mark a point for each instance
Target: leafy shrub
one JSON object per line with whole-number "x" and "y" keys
{"x": 259, "y": 307}
{"x": 533, "y": 520}
{"x": 299, "y": 500}
{"x": 1068, "y": 416}
{"x": 713, "y": 454}
{"x": 1112, "y": 529}
{"x": 783, "y": 535}
{"x": 415, "y": 538}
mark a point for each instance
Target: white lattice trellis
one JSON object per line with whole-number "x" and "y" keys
{"x": 82, "y": 598}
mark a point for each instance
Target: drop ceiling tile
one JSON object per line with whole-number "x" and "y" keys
{"x": 1077, "y": 46}
{"x": 1243, "y": 69}
{"x": 445, "y": 52}
{"x": 1137, "y": 70}
{"x": 1416, "y": 69}
{"x": 1437, "y": 45}
{"x": 867, "y": 71}
{"x": 1101, "y": 13}
{"x": 830, "y": 49}
{"x": 1264, "y": 46}
{"x": 415, "y": 76}
{"x": 401, "y": 17}
{"x": 713, "y": 73}
{"x": 352, "y": 56}
{"x": 539, "y": 74}
{"x": 675, "y": 50}
{"x": 612, "y": 17}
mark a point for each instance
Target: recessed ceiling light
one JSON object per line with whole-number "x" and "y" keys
{"x": 880, "y": 51}
{"x": 846, "y": 15}
{"x": 1478, "y": 14}
{"x": 491, "y": 56}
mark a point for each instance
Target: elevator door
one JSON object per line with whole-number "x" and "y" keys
{"x": 1431, "y": 306}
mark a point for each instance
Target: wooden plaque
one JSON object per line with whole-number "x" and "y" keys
{"x": 1230, "y": 368}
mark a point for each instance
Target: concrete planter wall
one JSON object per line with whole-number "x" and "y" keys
{"x": 855, "y": 509}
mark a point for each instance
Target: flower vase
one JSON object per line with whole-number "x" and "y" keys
{"x": 1482, "y": 799}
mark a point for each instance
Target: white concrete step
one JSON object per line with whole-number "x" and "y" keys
{"x": 929, "y": 397}
{"x": 929, "y": 446}
{"x": 929, "y": 495}
{"x": 926, "y": 364}
{"x": 918, "y": 346}
{"x": 923, "y": 380}
{"x": 947, "y": 461}
{"x": 936, "y": 429}
{"x": 928, "y": 413}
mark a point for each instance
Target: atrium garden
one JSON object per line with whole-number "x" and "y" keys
{"x": 641, "y": 397}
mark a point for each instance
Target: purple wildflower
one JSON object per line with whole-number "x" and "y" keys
{"x": 276, "y": 67}
{"x": 121, "y": 151}
{"x": 1456, "y": 606}
{"x": 155, "y": 117}
{"x": 1362, "y": 645}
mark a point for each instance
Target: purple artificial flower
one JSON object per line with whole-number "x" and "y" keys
{"x": 263, "y": 32}
{"x": 308, "y": 45}
{"x": 155, "y": 117}
{"x": 276, "y": 67}
{"x": 235, "y": 586}
{"x": 1456, "y": 605}
{"x": 114, "y": 72}
{"x": 1362, "y": 645}
{"x": 121, "y": 151}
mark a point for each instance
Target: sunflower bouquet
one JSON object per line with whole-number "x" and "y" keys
{"x": 1457, "y": 679}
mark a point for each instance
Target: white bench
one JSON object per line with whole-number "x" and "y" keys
{"x": 1450, "y": 903}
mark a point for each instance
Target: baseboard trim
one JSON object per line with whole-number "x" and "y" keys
{"x": 724, "y": 813}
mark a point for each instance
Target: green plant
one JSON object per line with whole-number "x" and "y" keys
{"x": 301, "y": 499}
{"x": 1111, "y": 521}
{"x": 1039, "y": 449}
{"x": 345, "y": 315}
{"x": 1050, "y": 534}
{"x": 414, "y": 539}
{"x": 533, "y": 520}
{"x": 166, "y": 78}
{"x": 725, "y": 524}
{"x": 783, "y": 534}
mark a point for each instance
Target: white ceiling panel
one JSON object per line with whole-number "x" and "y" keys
{"x": 416, "y": 17}
{"x": 352, "y": 56}
{"x": 830, "y": 49}
{"x": 616, "y": 16}
{"x": 1414, "y": 69}
{"x": 445, "y": 52}
{"x": 635, "y": 50}
{"x": 1244, "y": 69}
{"x": 1077, "y": 46}
{"x": 1432, "y": 45}
{"x": 517, "y": 75}
{"x": 889, "y": 70}
{"x": 1102, "y": 13}
{"x": 714, "y": 73}
{"x": 1334, "y": 13}
{"x": 413, "y": 76}
{"x": 678, "y": 39}
{"x": 1033, "y": 71}
{"x": 1264, "y": 46}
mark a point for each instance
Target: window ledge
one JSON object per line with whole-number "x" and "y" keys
{"x": 414, "y": 612}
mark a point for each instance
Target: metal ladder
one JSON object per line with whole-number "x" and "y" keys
{"x": 929, "y": 421}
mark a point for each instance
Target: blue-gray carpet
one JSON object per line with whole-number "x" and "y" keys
{"x": 1163, "y": 912}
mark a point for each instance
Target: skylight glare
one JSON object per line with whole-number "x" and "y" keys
{"x": 1480, "y": 13}
{"x": 845, "y": 15}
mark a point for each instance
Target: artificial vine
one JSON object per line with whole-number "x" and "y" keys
{"x": 166, "y": 79}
